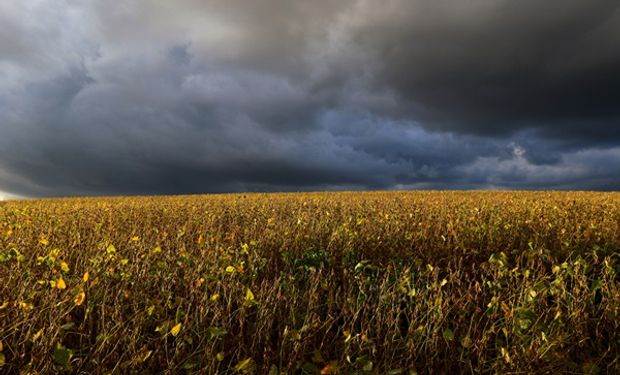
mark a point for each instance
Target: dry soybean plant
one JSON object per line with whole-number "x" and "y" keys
{"x": 312, "y": 283}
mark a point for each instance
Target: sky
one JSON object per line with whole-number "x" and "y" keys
{"x": 200, "y": 96}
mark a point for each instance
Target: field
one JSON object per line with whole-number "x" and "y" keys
{"x": 312, "y": 283}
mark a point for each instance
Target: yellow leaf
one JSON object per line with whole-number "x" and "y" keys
{"x": 64, "y": 267}
{"x": 157, "y": 250}
{"x": 111, "y": 249}
{"x": 146, "y": 355}
{"x": 200, "y": 240}
{"x": 135, "y": 238}
{"x": 214, "y": 297}
{"x": 124, "y": 261}
{"x": 44, "y": 241}
{"x": 230, "y": 269}
{"x": 2, "y": 360}
{"x": 26, "y": 305}
{"x": 85, "y": 277}
{"x": 79, "y": 298}
{"x": 249, "y": 297}
{"x": 37, "y": 335}
{"x": 4, "y": 305}
{"x": 220, "y": 356}
{"x": 1, "y": 346}
{"x": 54, "y": 254}
{"x": 505, "y": 354}
{"x": 60, "y": 283}
{"x": 175, "y": 330}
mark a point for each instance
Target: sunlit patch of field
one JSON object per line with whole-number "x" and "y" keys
{"x": 313, "y": 283}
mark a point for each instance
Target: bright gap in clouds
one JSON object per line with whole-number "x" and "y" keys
{"x": 6, "y": 196}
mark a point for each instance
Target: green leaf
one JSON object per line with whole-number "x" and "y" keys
{"x": 245, "y": 366}
{"x": 67, "y": 326}
{"x": 190, "y": 365}
{"x": 448, "y": 335}
{"x": 179, "y": 315}
{"x": 215, "y": 332}
{"x": 62, "y": 355}
{"x": 590, "y": 368}
{"x": 525, "y": 318}
{"x": 309, "y": 368}
{"x": 317, "y": 357}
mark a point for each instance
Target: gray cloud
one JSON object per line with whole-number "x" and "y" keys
{"x": 494, "y": 67}
{"x": 195, "y": 96}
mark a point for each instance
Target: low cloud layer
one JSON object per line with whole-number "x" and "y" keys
{"x": 210, "y": 96}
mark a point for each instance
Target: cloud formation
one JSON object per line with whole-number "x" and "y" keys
{"x": 208, "y": 96}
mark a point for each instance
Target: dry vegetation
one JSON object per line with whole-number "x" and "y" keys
{"x": 444, "y": 282}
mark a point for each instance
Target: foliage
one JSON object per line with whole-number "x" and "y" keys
{"x": 312, "y": 283}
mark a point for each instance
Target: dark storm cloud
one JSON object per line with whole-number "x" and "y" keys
{"x": 494, "y": 67}
{"x": 200, "y": 96}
